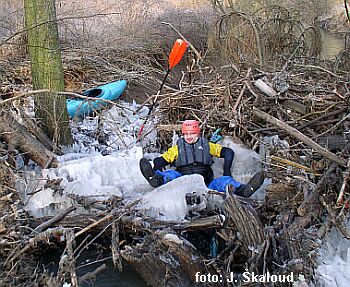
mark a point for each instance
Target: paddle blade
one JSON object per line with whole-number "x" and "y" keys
{"x": 177, "y": 52}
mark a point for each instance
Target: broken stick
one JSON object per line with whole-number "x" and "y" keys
{"x": 53, "y": 220}
{"x": 344, "y": 184}
{"x": 294, "y": 164}
{"x": 16, "y": 135}
{"x": 241, "y": 93}
{"x": 295, "y": 133}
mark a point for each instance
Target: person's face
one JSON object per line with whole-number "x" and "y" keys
{"x": 191, "y": 138}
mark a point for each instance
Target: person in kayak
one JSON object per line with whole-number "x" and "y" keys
{"x": 194, "y": 154}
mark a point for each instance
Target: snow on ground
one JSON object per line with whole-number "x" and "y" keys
{"x": 334, "y": 260}
{"x": 167, "y": 202}
{"x": 100, "y": 176}
{"x": 104, "y": 162}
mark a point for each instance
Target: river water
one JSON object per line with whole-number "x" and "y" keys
{"x": 331, "y": 45}
{"x": 110, "y": 277}
{"x": 88, "y": 261}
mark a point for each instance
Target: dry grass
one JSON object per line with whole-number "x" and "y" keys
{"x": 307, "y": 11}
{"x": 105, "y": 40}
{"x": 265, "y": 37}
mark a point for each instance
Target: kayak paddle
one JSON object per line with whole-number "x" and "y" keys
{"x": 175, "y": 57}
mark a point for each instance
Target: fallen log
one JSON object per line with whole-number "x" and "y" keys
{"x": 53, "y": 220}
{"x": 291, "y": 236}
{"x": 201, "y": 223}
{"x": 37, "y": 132}
{"x": 295, "y": 133}
{"x": 17, "y": 137}
{"x": 247, "y": 222}
{"x": 166, "y": 259}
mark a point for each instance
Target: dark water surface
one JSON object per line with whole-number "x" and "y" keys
{"x": 91, "y": 259}
{"x": 110, "y": 277}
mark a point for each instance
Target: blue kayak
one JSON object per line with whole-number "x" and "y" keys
{"x": 81, "y": 107}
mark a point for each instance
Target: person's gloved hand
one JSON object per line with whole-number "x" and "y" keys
{"x": 215, "y": 137}
{"x": 221, "y": 182}
{"x": 168, "y": 175}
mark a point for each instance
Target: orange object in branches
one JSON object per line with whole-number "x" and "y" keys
{"x": 175, "y": 56}
{"x": 177, "y": 52}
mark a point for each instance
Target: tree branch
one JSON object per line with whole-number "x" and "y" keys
{"x": 294, "y": 132}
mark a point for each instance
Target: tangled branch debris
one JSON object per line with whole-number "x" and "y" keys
{"x": 297, "y": 116}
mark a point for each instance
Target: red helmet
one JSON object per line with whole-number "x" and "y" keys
{"x": 190, "y": 126}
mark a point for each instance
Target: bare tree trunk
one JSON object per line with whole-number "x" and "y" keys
{"x": 46, "y": 68}
{"x": 17, "y": 137}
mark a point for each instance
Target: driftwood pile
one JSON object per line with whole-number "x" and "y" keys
{"x": 305, "y": 110}
{"x": 14, "y": 223}
{"x": 298, "y": 117}
{"x": 308, "y": 109}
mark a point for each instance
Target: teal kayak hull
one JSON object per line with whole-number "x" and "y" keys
{"x": 81, "y": 107}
